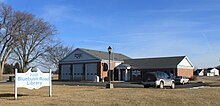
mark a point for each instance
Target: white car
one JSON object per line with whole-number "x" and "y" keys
{"x": 181, "y": 79}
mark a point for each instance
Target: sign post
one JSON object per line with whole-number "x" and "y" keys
{"x": 16, "y": 91}
{"x": 50, "y": 88}
{"x": 33, "y": 80}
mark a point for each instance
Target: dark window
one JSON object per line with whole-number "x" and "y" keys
{"x": 105, "y": 67}
{"x": 95, "y": 74}
{"x": 165, "y": 75}
{"x": 87, "y": 73}
{"x": 91, "y": 73}
{"x": 81, "y": 73}
{"x": 78, "y": 55}
{"x": 77, "y": 73}
{"x": 159, "y": 75}
{"x": 74, "y": 73}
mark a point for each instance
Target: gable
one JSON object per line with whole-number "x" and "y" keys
{"x": 79, "y": 55}
{"x": 185, "y": 63}
{"x": 214, "y": 70}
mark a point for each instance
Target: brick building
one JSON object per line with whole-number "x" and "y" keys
{"x": 133, "y": 69}
{"x": 86, "y": 64}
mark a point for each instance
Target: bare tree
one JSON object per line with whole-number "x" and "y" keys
{"x": 8, "y": 34}
{"x": 57, "y": 53}
{"x": 35, "y": 39}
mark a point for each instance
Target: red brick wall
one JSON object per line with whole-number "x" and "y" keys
{"x": 185, "y": 72}
{"x": 105, "y": 73}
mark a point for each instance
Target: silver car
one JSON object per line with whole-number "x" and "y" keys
{"x": 157, "y": 79}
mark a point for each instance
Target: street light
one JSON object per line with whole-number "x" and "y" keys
{"x": 109, "y": 85}
{"x": 109, "y": 64}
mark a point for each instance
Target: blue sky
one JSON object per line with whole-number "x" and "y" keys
{"x": 137, "y": 28}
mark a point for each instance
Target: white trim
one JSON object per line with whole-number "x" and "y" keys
{"x": 187, "y": 67}
{"x": 78, "y": 61}
{"x": 126, "y": 74}
{"x": 50, "y": 84}
{"x": 15, "y": 87}
{"x": 112, "y": 61}
{"x": 123, "y": 67}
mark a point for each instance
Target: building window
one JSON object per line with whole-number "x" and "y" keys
{"x": 77, "y": 56}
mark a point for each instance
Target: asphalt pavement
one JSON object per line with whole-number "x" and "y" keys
{"x": 122, "y": 84}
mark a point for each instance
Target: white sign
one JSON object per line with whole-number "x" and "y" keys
{"x": 136, "y": 72}
{"x": 32, "y": 80}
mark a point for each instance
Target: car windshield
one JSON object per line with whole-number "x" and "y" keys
{"x": 178, "y": 77}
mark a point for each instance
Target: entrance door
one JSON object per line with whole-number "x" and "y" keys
{"x": 125, "y": 76}
{"x": 91, "y": 71}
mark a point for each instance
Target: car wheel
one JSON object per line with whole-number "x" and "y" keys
{"x": 172, "y": 85}
{"x": 146, "y": 86}
{"x": 183, "y": 83}
{"x": 161, "y": 85}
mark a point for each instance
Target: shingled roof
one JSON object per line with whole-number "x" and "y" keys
{"x": 104, "y": 55}
{"x": 155, "y": 63}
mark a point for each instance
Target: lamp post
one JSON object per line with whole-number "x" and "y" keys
{"x": 109, "y": 64}
{"x": 109, "y": 85}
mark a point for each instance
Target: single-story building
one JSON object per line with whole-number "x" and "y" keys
{"x": 86, "y": 64}
{"x": 134, "y": 69}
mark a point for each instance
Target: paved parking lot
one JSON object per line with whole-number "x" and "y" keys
{"x": 208, "y": 81}
{"x": 123, "y": 84}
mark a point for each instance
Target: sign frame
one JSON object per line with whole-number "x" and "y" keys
{"x": 27, "y": 79}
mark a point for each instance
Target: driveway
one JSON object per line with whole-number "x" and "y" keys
{"x": 123, "y": 84}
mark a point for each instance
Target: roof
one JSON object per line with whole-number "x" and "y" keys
{"x": 104, "y": 55}
{"x": 155, "y": 63}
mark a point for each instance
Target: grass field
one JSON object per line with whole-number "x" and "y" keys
{"x": 94, "y": 96}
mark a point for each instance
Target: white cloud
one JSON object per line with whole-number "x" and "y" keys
{"x": 71, "y": 14}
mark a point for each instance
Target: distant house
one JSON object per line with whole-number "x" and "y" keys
{"x": 212, "y": 72}
{"x": 207, "y": 72}
{"x": 199, "y": 72}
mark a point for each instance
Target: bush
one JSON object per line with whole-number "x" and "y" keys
{"x": 193, "y": 78}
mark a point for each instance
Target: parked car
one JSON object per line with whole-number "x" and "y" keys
{"x": 181, "y": 79}
{"x": 170, "y": 75}
{"x": 157, "y": 79}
